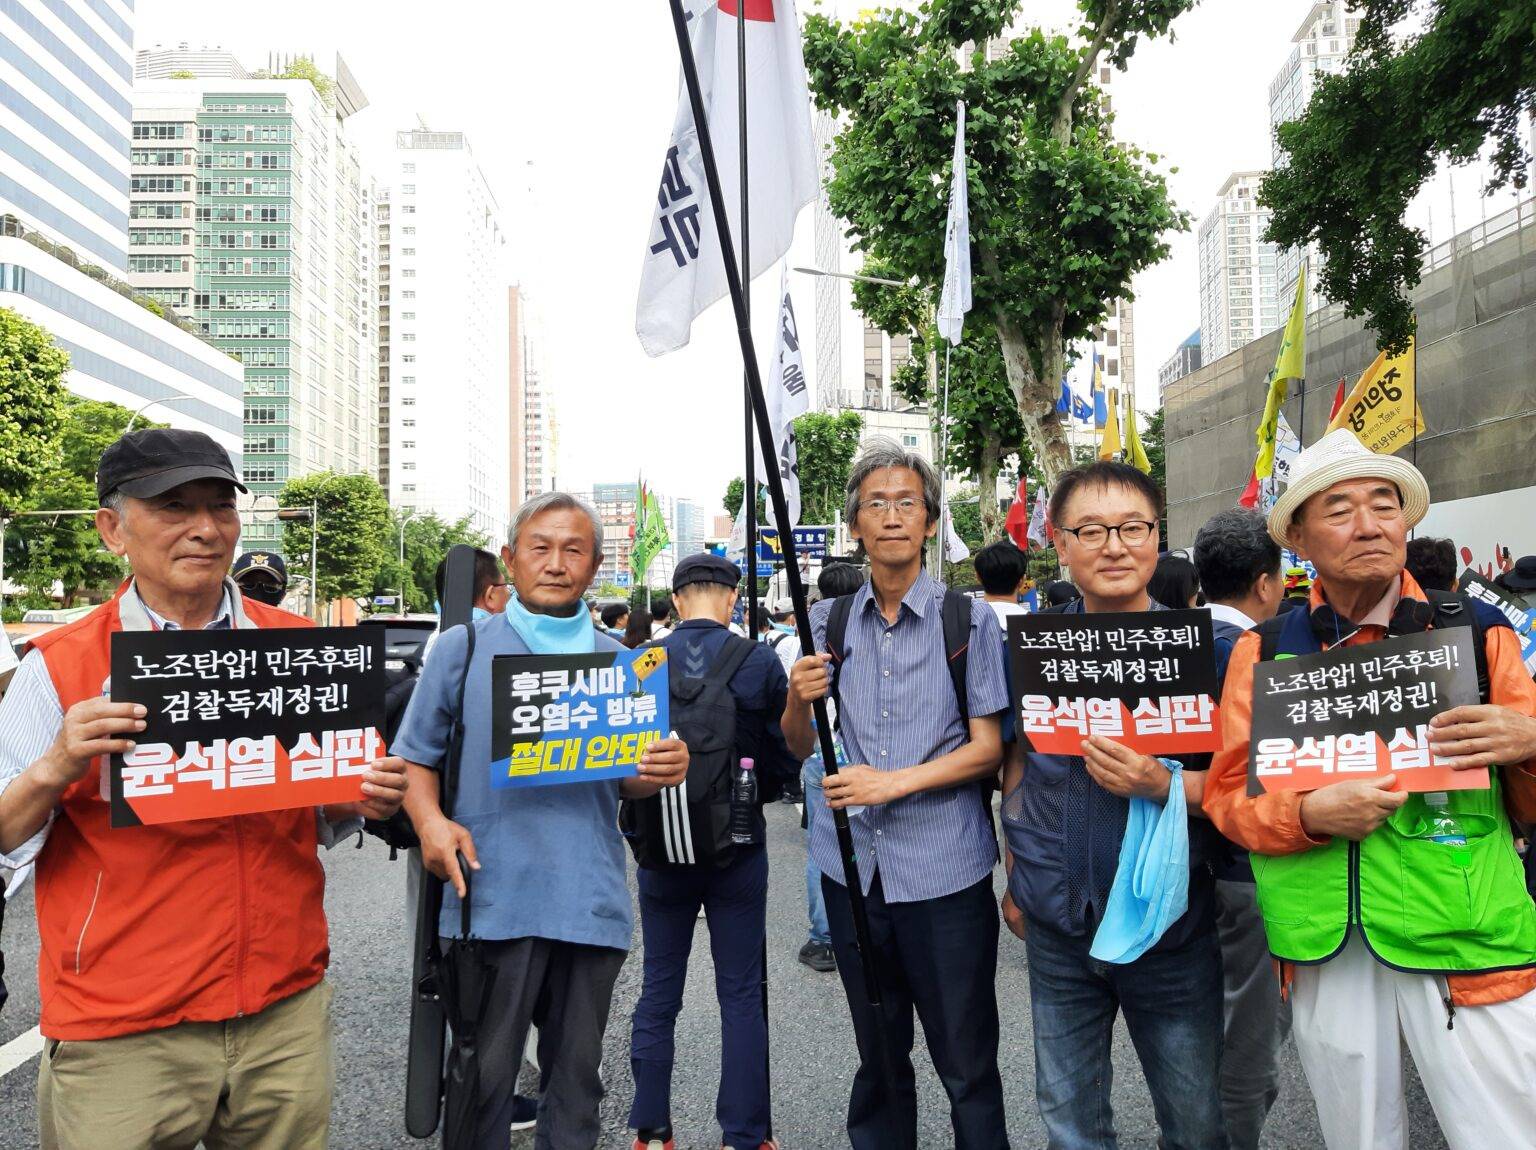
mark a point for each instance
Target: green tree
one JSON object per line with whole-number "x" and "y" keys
{"x": 1062, "y": 215}
{"x": 304, "y": 68}
{"x": 428, "y": 539}
{"x": 1371, "y": 136}
{"x": 354, "y": 540}
{"x": 825, "y": 445}
{"x": 67, "y": 550}
{"x": 31, "y": 400}
{"x": 183, "y": 74}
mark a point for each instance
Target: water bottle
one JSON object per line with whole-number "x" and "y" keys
{"x": 1443, "y": 827}
{"x": 744, "y": 804}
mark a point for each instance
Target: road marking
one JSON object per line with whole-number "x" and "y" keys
{"x": 20, "y": 1050}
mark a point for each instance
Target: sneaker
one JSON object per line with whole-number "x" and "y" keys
{"x": 818, "y": 956}
{"x": 770, "y": 1144}
{"x": 654, "y": 1139}
{"x": 525, "y": 1112}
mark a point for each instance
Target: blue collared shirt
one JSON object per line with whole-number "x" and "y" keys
{"x": 898, "y": 709}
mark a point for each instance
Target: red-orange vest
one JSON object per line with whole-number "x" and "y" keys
{"x": 145, "y": 927}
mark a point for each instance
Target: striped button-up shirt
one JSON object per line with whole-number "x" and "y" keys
{"x": 898, "y": 709}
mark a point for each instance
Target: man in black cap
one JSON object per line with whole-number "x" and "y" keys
{"x": 733, "y": 892}
{"x": 1519, "y": 582}
{"x": 234, "y": 1049}
{"x": 262, "y": 576}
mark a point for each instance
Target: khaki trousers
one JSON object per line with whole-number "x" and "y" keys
{"x": 256, "y": 1083}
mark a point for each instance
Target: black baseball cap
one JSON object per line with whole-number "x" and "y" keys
{"x": 705, "y": 568}
{"x": 266, "y": 562}
{"x": 143, "y": 464}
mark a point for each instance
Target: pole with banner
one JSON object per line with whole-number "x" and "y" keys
{"x": 856, "y": 904}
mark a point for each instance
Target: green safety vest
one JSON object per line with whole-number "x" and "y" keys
{"x": 1420, "y": 905}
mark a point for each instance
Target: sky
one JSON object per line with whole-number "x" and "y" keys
{"x": 568, "y": 108}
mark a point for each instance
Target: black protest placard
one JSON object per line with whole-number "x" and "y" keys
{"x": 1145, "y": 679}
{"x": 245, "y": 721}
{"x": 1361, "y": 712}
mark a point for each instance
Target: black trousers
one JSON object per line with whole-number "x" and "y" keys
{"x": 939, "y": 958}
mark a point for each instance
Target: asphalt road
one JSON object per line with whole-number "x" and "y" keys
{"x": 812, "y": 1045}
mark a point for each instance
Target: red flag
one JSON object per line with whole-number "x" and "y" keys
{"x": 1338, "y": 400}
{"x": 1250, "y": 496}
{"x": 1017, "y": 522}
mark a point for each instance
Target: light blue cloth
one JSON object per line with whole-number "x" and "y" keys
{"x": 552, "y": 634}
{"x": 1151, "y": 887}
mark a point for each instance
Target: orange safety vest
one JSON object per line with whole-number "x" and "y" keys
{"x": 145, "y": 927}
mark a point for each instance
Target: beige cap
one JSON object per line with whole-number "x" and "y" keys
{"x": 1336, "y": 458}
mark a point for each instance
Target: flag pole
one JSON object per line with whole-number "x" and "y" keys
{"x": 943, "y": 548}
{"x": 858, "y": 910}
{"x": 750, "y": 486}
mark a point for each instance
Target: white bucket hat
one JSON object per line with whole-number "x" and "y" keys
{"x": 1335, "y": 458}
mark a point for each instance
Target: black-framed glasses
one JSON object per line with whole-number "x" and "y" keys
{"x": 1133, "y": 533}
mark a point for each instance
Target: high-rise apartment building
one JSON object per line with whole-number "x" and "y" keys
{"x": 615, "y": 506}
{"x": 1183, "y": 361}
{"x": 448, "y": 448}
{"x": 282, "y": 268}
{"x": 693, "y": 525}
{"x": 1322, "y": 44}
{"x": 162, "y": 63}
{"x": 383, "y": 329}
{"x": 70, "y": 162}
{"x": 1238, "y": 299}
{"x": 532, "y": 432}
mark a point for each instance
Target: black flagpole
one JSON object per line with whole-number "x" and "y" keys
{"x": 856, "y": 905}
{"x": 749, "y": 486}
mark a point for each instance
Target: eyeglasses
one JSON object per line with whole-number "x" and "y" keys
{"x": 906, "y": 508}
{"x": 1133, "y": 533}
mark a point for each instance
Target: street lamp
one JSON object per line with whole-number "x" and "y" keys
{"x": 311, "y": 513}
{"x": 179, "y": 397}
{"x": 851, "y": 276}
{"x": 5, "y": 519}
{"x": 411, "y": 514}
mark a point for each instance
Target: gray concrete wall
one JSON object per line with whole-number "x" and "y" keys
{"x": 1476, "y": 377}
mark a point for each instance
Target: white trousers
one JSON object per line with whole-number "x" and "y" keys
{"x": 1350, "y": 1017}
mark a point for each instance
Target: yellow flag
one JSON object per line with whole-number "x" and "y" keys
{"x": 1135, "y": 453}
{"x": 1110, "y": 444}
{"x": 1383, "y": 409}
{"x": 1289, "y": 364}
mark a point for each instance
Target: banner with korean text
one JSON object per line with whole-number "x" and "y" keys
{"x": 1146, "y": 680}
{"x": 246, "y": 721}
{"x": 575, "y": 718}
{"x": 1360, "y": 713}
{"x": 1520, "y": 618}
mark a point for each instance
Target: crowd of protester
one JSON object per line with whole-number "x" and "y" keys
{"x": 178, "y": 1009}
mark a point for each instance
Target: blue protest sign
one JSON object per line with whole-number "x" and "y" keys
{"x": 1522, "y": 620}
{"x": 575, "y": 718}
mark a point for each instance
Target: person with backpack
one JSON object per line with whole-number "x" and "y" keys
{"x": 1387, "y": 934}
{"x": 727, "y": 695}
{"x": 1066, "y": 818}
{"x": 917, "y": 674}
{"x": 549, "y": 900}
{"x": 1240, "y": 569}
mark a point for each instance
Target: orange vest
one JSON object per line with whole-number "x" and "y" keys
{"x": 145, "y": 927}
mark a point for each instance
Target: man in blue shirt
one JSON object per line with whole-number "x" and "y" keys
{"x": 1065, "y": 817}
{"x": 922, "y": 822}
{"x": 549, "y": 893}
{"x": 734, "y": 895}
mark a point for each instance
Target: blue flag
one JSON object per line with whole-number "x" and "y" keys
{"x": 1064, "y": 404}
{"x": 1082, "y": 411}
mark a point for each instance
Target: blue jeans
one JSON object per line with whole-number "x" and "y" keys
{"x": 811, "y": 775}
{"x": 1173, "y": 1010}
{"x": 735, "y": 902}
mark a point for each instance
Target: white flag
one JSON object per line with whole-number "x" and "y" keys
{"x": 956, "y": 300}
{"x": 737, "y": 547}
{"x": 787, "y": 395}
{"x": 1287, "y": 448}
{"x": 955, "y": 548}
{"x": 682, "y": 273}
{"x": 1036, "y": 531}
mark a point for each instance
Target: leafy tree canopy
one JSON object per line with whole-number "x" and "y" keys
{"x": 1371, "y": 138}
{"x": 1062, "y": 215}
{"x": 428, "y": 539}
{"x": 354, "y": 530}
{"x": 32, "y": 396}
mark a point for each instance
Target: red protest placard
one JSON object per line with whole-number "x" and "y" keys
{"x": 246, "y": 721}
{"x": 1361, "y": 712}
{"x": 1147, "y": 680}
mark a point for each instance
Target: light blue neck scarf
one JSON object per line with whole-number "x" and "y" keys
{"x": 551, "y": 634}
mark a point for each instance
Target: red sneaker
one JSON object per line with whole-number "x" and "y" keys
{"x": 654, "y": 1144}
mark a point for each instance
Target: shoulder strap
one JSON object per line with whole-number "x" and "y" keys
{"x": 1269, "y": 637}
{"x": 837, "y": 635}
{"x": 957, "y": 644}
{"x": 1456, "y": 610}
{"x": 733, "y": 653}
